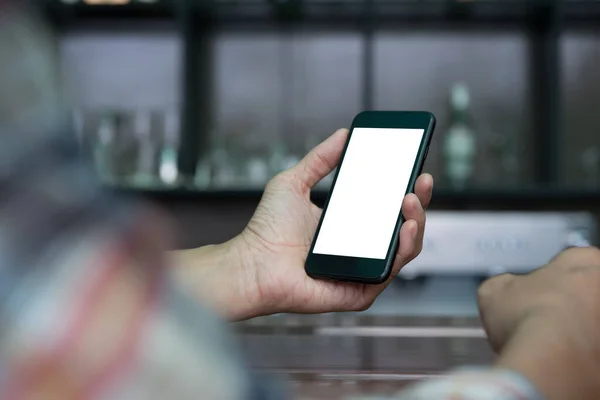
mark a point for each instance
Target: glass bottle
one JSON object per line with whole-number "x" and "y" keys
{"x": 142, "y": 130}
{"x": 257, "y": 172}
{"x": 222, "y": 166}
{"x": 168, "y": 169}
{"x": 276, "y": 158}
{"x": 459, "y": 143}
{"x": 203, "y": 173}
{"x": 507, "y": 153}
{"x": 103, "y": 147}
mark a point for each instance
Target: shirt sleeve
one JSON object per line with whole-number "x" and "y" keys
{"x": 474, "y": 384}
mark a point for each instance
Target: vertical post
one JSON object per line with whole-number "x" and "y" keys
{"x": 287, "y": 13}
{"x": 286, "y": 78}
{"x": 368, "y": 56}
{"x": 196, "y": 86}
{"x": 546, "y": 75}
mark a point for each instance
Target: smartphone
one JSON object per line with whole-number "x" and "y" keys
{"x": 357, "y": 237}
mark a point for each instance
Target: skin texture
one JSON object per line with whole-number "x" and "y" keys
{"x": 261, "y": 271}
{"x": 546, "y": 324}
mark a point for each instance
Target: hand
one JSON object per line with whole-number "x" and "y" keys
{"x": 546, "y": 325}
{"x": 278, "y": 238}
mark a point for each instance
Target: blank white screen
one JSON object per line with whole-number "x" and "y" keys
{"x": 368, "y": 193}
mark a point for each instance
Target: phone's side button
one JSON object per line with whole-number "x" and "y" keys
{"x": 426, "y": 153}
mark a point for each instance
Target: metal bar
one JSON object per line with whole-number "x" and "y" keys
{"x": 545, "y": 74}
{"x": 287, "y": 78}
{"x": 406, "y": 332}
{"x": 426, "y": 10}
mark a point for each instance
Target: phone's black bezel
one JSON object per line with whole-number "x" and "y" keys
{"x": 367, "y": 270}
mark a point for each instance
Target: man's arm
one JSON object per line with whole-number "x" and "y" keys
{"x": 561, "y": 366}
{"x": 261, "y": 271}
{"x": 220, "y": 277}
{"x": 544, "y": 326}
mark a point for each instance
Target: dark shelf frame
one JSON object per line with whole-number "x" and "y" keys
{"x": 68, "y": 15}
{"x": 542, "y": 20}
{"x": 545, "y": 31}
{"x": 533, "y": 199}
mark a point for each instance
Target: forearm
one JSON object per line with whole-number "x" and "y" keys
{"x": 554, "y": 364}
{"x": 557, "y": 365}
{"x": 217, "y": 275}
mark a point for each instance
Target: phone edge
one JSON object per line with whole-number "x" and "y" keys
{"x": 393, "y": 248}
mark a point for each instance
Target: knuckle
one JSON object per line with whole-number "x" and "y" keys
{"x": 576, "y": 257}
{"x": 319, "y": 161}
{"x": 279, "y": 180}
{"x": 590, "y": 254}
{"x": 485, "y": 290}
{"x": 585, "y": 277}
{"x": 490, "y": 287}
{"x": 364, "y": 305}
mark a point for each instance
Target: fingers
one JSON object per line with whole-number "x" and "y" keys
{"x": 321, "y": 160}
{"x": 424, "y": 189}
{"x": 575, "y": 256}
{"x": 409, "y": 234}
{"x": 412, "y": 210}
{"x": 413, "y": 229}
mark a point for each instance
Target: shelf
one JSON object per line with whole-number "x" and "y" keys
{"x": 411, "y": 12}
{"x": 65, "y": 15}
{"x": 181, "y": 194}
{"x": 525, "y": 199}
{"x": 581, "y": 11}
{"x": 377, "y": 11}
{"x": 537, "y": 197}
{"x": 328, "y": 11}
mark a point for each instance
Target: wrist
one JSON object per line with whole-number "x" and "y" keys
{"x": 221, "y": 276}
{"x": 558, "y": 363}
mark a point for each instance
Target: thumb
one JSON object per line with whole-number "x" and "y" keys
{"x": 321, "y": 160}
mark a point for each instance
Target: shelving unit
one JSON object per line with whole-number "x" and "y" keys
{"x": 332, "y": 11}
{"x": 533, "y": 199}
{"x": 542, "y": 21}
{"x": 64, "y": 15}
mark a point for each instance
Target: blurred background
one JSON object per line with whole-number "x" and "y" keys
{"x": 195, "y": 105}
